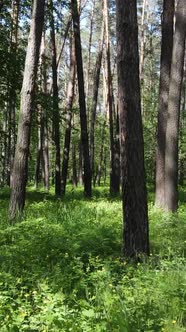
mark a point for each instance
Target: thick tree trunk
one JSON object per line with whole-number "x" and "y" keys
{"x": 166, "y": 58}
{"x": 56, "y": 117}
{"x": 69, "y": 103}
{"x": 19, "y": 177}
{"x": 96, "y": 81}
{"x": 83, "y": 115}
{"x": 135, "y": 235}
{"x": 172, "y": 132}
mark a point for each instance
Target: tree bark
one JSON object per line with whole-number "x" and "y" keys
{"x": 69, "y": 103}
{"x": 172, "y": 131}
{"x": 166, "y": 58}
{"x": 56, "y": 117}
{"x": 134, "y": 197}
{"x": 96, "y": 80}
{"x": 83, "y": 115}
{"x": 113, "y": 176}
{"x": 19, "y": 177}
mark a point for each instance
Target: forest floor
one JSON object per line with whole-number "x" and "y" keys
{"x": 61, "y": 268}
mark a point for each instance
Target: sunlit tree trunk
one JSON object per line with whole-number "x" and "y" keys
{"x": 166, "y": 58}
{"x": 19, "y": 176}
{"x": 172, "y": 131}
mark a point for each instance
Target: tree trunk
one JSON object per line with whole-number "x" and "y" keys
{"x": 89, "y": 54}
{"x": 12, "y": 88}
{"x": 74, "y": 168}
{"x": 83, "y": 115}
{"x": 19, "y": 177}
{"x": 39, "y": 147}
{"x": 56, "y": 117}
{"x": 69, "y": 103}
{"x": 113, "y": 180}
{"x": 166, "y": 58}
{"x": 100, "y": 166}
{"x": 172, "y": 132}
{"x": 96, "y": 81}
{"x": 134, "y": 197}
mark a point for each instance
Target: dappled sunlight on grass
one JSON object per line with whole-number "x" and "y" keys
{"x": 61, "y": 268}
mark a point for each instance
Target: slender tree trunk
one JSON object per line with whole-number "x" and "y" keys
{"x": 113, "y": 181}
{"x": 74, "y": 168}
{"x": 100, "y": 166}
{"x": 80, "y": 173}
{"x": 19, "y": 177}
{"x": 89, "y": 53}
{"x": 172, "y": 132}
{"x": 56, "y": 117}
{"x": 12, "y": 88}
{"x": 166, "y": 58}
{"x": 69, "y": 103}
{"x": 182, "y": 127}
{"x": 39, "y": 148}
{"x": 83, "y": 115}
{"x": 135, "y": 215}
{"x": 96, "y": 81}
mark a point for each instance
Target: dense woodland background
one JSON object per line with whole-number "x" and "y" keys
{"x": 92, "y": 132}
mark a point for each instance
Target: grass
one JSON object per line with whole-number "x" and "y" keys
{"x": 61, "y": 268}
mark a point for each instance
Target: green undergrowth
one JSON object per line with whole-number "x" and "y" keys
{"x": 61, "y": 268}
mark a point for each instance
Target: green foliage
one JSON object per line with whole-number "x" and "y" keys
{"x": 61, "y": 268}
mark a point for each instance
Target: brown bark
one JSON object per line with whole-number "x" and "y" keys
{"x": 166, "y": 58}
{"x": 19, "y": 178}
{"x": 113, "y": 174}
{"x": 172, "y": 131}
{"x": 135, "y": 215}
{"x": 69, "y": 104}
{"x": 83, "y": 115}
{"x": 12, "y": 88}
{"x": 89, "y": 52}
{"x": 56, "y": 117}
{"x": 96, "y": 80}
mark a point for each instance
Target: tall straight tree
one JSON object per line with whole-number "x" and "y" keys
{"x": 114, "y": 174}
{"x": 82, "y": 104}
{"x": 166, "y": 58}
{"x": 172, "y": 131}
{"x": 12, "y": 85}
{"x": 19, "y": 176}
{"x": 135, "y": 214}
{"x": 96, "y": 80}
{"x": 56, "y": 120}
{"x": 69, "y": 104}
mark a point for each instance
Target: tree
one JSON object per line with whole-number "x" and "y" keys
{"x": 96, "y": 81}
{"x": 56, "y": 118}
{"x": 166, "y": 58}
{"x": 172, "y": 131}
{"x": 69, "y": 104}
{"x": 82, "y": 104}
{"x": 19, "y": 176}
{"x": 134, "y": 197}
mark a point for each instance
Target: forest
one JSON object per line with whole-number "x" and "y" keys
{"x": 92, "y": 166}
